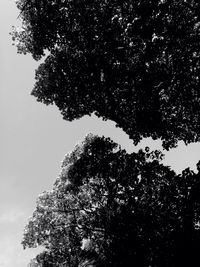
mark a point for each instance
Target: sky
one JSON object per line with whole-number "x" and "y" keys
{"x": 34, "y": 139}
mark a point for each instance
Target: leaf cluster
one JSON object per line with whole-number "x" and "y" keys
{"x": 133, "y": 62}
{"x": 136, "y": 63}
{"x": 110, "y": 208}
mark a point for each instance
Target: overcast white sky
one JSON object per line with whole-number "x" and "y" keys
{"x": 34, "y": 140}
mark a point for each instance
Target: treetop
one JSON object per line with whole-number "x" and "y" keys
{"x": 133, "y": 62}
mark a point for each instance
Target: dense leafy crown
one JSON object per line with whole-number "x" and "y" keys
{"x": 108, "y": 208}
{"x": 134, "y": 62}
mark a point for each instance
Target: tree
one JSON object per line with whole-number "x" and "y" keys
{"x": 140, "y": 213}
{"x": 133, "y": 62}
{"x": 136, "y": 63}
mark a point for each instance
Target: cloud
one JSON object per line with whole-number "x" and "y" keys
{"x": 11, "y": 217}
{"x": 12, "y": 253}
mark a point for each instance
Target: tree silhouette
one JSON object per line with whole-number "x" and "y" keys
{"x": 110, "y": 208}
{"x": 133, "y": 62}
{"x": 136, "y": 63}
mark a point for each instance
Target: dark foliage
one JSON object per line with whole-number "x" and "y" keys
{"x": 134, "y": 62}
{"x": 109, "y": 208}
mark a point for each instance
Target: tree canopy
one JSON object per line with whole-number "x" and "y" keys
{"x": 110, "y": 208}
{"x": 136, "y": 63}
{"x": 133, "y": 62}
